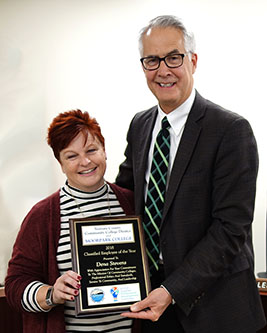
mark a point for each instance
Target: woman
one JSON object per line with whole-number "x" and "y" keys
{"x": 40, "y": 281}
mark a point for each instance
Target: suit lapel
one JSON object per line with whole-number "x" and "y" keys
{"x": 185, "y": 150}
{"x": 143, "y": 151}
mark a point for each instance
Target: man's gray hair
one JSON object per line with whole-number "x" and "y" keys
{"x": 165, "y": 21}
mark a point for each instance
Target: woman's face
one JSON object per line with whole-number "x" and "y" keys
{"x": 84, "y": 163}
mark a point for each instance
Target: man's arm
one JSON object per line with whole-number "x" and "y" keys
{"x": 227, "y": 239}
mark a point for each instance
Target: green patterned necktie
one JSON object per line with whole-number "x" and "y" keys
{"x": 156, "y": 194}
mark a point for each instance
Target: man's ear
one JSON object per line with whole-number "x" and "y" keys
{"x": 194, "y": 59}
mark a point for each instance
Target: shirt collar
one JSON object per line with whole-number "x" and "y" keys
{"x": 178, "y": 116}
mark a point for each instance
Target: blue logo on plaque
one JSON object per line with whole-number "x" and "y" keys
{"x": 114, "y": 292}
{"x": 97, "y": 295}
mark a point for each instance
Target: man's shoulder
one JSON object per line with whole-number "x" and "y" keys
{"x": 215, "y": 111}
{"x": 146, "y": 114}
{"x": 143, "y": 119}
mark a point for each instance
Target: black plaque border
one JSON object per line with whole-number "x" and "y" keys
{"x": 141, "y": 257}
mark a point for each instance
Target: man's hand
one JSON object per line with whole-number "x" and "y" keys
{"x": 151, "y": 307}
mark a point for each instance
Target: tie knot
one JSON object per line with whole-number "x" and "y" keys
{"x": 165, "y": 124}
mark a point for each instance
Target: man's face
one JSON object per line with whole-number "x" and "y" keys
{"x": 171, "y": 86}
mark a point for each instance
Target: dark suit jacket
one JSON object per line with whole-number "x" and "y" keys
{"x": 205, "y": 235}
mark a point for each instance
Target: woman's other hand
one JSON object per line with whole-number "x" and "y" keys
{"x": 66, "y": 287}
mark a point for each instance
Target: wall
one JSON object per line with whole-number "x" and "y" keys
{"x": 65, "y": 54}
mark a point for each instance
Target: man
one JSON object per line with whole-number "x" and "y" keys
{"x": 203, "y": 275}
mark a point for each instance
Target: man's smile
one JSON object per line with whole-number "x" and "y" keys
{"x": 166, "y": 85}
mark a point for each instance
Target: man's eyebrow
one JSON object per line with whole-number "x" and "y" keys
{"x": 174, "y": 51}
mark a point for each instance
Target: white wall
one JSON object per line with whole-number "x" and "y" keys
{"x": 64, "y": 54}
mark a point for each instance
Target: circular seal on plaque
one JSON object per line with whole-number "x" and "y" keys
{"x": 97, "y": 295}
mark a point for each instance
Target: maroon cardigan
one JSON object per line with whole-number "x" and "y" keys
{"x": 34, "y": 258}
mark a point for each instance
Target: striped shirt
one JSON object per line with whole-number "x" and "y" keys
{"x": 78, "y": 204}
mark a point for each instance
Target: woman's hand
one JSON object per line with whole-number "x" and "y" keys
{"x": 65, "y": 288}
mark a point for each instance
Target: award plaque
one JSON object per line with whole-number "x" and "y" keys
{"x": 109, "y": 253}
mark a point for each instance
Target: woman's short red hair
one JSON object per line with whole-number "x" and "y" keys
{"x": 67, "y": 125}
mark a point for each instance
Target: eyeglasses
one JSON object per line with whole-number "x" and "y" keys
{"x": 172, "y": 61}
